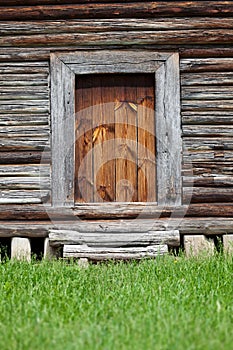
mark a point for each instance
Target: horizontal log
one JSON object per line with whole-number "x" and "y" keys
{"x": 24, "y": 157}
{"x": 212, "y": 118}
{"x": 207, "y": 143}
{"x": 205, "y": 105}
{"x": 206, "y": 226}
{"x": 208, "y": 181}
{"x": 207, "y": 156}
{"x": 24, "y": 144}
{"x": 24, "y": 119}
{"x": 25, "y": 170}
{"x": 206, "y": 65}
{"x": 79, "y": 251}
{"x": 114, "y": 10}
{"x": 38, "y": 97}
{"x": 24, "y": 183}
{"x": 25, "y": 55}
{"x": 178, "y": 37}
{"x": 41, "y": 212}
{"x": 21, "y": 68}
{"x": 38, "y": 54}
{"x": 115, "y": 24}
{"x": 207, "y": 130}
{"x": 205, "y": 168}
{"x": 211, "y": 78}
{"x": 37, "y": 131}
{"x": 61, "y": 237}
{"x": 24, "y": 196}
{"x": 207, "y": 195}
{"x": 204, "y": 93}
{"x": 205, "y": 52}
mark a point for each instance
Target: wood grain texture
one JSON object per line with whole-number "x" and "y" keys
{"x": 82, "y": 251}
{"x": 61, "y": 237}
{"x": 114, "y": 10}
{"x": 17, "y": 28}
{"x": 14, "y": 212}
{"x": 172, "y": 37}
{"x": 168, "y": 133}
{"x": 204, "y": 225}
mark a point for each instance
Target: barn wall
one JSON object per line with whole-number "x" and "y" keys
{"x": 206, "y": 63}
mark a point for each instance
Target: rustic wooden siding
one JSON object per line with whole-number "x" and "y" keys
{"x": 207, "y": 123}
{"x": 196, "y": 29}
{"x": 24, "y": 132}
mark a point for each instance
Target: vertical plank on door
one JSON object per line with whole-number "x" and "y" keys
{"x": 126, "y": 141}
{"x": 146, "y": 140}
{"x": 103, "y": 139}
{"x": 83, "y": 144}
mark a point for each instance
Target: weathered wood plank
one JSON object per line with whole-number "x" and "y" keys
{"x": 207, "y": 130}
{"x": 23, "y": 144}
{"x": 24, "y": 196}
{"x": 206, "y": 226}
{"x": 172, "y": 37}
{"x": 63, "y": 132}
{"x": 210, "y": 181}
{"x": 25, "y": 170}
{"x": 81, "y": 251}
{"x": 146, "y": 181}
{"x": 204, "y": 93}
{"x": 207, "y": 156}
{"x": 114, "y": 24}
{"x": 26, "y": 182}
{"x": 206, "y": 64}
{"x": 168, "y": 132}
{"x": 24, "y": 119}
{"x": 61, "y": 237}
{"x": 114, "y": 10}
{"x": 22, "y": 68}
{"x": 205, "y": 168}
{"x": 36, "y": 132}
{"x": 207, "y": 105}
{"x": 210, "y": 78}
{"x": 207, "y": 194}
{"x": 207, "y": 143}
{"x": 40, "y": 212}
{"x": 212, "y": 118}
{"x": 84, "y": 109}
{"x": 25, "y": 157}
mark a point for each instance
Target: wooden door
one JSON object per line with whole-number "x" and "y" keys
{"x": 115, "y": 142}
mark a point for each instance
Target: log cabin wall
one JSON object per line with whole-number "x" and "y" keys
{"x": 202, "y": 33}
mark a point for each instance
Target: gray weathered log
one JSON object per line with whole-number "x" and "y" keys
{"x": 207, "y": 195}
{"x": 61, "y": 237}
{"x": 113, "y": 24}
{"x": 24, "y": 197}
{"x": 207, "y": 226}
{"x": 212, "y": 118}
{"x": 82, "y": 251}
{"x": 27, "y": 157}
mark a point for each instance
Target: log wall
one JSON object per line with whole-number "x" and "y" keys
{"x": 201, "y": 31}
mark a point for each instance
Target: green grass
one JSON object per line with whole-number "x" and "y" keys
{"x": 171, "y": 303}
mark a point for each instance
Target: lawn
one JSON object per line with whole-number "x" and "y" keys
{"x": 167, "y": 303}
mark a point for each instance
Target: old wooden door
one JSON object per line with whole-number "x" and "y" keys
{"x": 115, "y": 142}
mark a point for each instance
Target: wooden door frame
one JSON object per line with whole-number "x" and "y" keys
{"x": 165, "y": 67}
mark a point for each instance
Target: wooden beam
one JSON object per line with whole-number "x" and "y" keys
{"x": 95, "y": 253}
{"x": 114, "y": 10}
{"x": 40, "y": 212}
{"x": 61, "y": 237}
{"x": 206, "y": 226}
